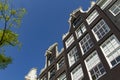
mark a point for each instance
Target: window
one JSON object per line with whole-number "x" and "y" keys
{"x": 51, "y": 60}
{"x": 94, "y": 66}
{"x": 77, "y": 21}
{"x": 115, "y": 9}
{"x": 44, "y": 78}
{"x": 86, "y": 43}
{"x": 81, "y": 29}
{"x": 100, "y": 30}
{"x": 52, "y": 73}
{"x": 73, "y": 56}
{"x": 92, "y": 17}
{"x": 103, "y": 3}
{"x": 111, "y": 50}
{"x": 62, "y": 77}
{"x": 77, "y": 73}
{"x": 60, "y": 63}
{"x": 69, "y": 41}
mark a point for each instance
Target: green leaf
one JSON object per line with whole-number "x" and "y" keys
{"x": 1, "y": 6}
{"x": 6, "y": 7}
{"x": 4, "y": 61}
{"x": 10, "y": 38}
{"x": 13, "y": 12}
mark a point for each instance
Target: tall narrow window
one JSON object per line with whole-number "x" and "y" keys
{"x": 73, "y": 56}
{"x": 80, "y": 30}
{"x": 86, "y": 43}
{"x": 111, "y": 50}
{"x": 94, "y": 66}
{"x": 50, "y": 60}
{"x": 69, "y": 41}
{"x": 115, "y": 9}
{"x": 60, "y": 63}
{"x": 100, "y": 30}
{"x": 51, "y": 74}
{"x": 77, "y": 73}
{"x": 44, "y": 78}
{"x": 92, "y": 17}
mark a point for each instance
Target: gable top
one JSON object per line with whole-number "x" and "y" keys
{"x": 48, "y": 51}
{"x": 32, "y": 74}
{"x": 78, "y": 12}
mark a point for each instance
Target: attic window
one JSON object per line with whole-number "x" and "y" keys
{"x": 77, "y": 21}
{"x": 50, "y": 60}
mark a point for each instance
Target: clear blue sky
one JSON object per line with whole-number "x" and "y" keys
{"x": 45, "y": 23}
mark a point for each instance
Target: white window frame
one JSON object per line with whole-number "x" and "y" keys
{"x": 80, "y": 30}
{"x": 73, "y": 56}
{"x": 111, "y": 50}
{"x": 77, "y": 72}
{"x": 60, "y": 61}
{"x": 116, "y": 5}
{"x": 101, "y": 25}
{"x": 44, "y": 78}
{"x": 49, "y": 73}
{"x": 93, "y": 61}
{"x": 105, "y": 4}
{"x": 62, "y": 77}
{"x": 69, "y": 41}
{"x": 50, "y": 60}
{"x": 87, "y": 39}
{"x": 92, "y": 17}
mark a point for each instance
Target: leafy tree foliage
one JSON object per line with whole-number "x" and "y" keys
{"x": 9, "y": 18}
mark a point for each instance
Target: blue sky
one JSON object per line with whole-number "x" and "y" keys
{"x": 44, "y": 24}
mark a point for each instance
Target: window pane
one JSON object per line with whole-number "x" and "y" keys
{"x": 94, "y": 66}
{"x": 62, "y": 77}
{"x": 73, "y": 56}
{"x": 115, "y": 9}
{"x": 86, "y": 43}
{"x": 104, "y": 3}
{"x": 118, "y": 58}
{"x": 111, "y": 50}
{"x": 92, "y": 17}
{"x": 80, "y": 30}
{"x": 100, "y": 30}
{"x": 77, "y": 73}
{"x": 60, "y": 63}
{"x": 69, "y": 41}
